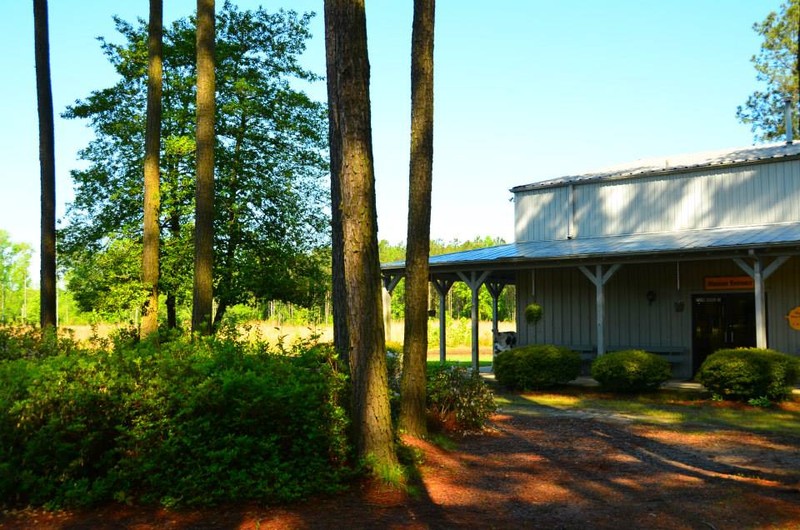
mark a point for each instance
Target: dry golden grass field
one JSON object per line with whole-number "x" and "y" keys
{"x": 458, "y": 347}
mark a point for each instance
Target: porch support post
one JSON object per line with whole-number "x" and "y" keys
{"x": 442, "y": 287}
{"x": 599, "y": 279}
{"x": 495, "y": 289}
{"x": 474, "y": 281}
{"x": 390, "y": 281}
{"x": 760, "y": 275}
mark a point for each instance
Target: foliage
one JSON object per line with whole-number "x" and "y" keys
{"x": 458, "y": 398}
{"x": 536, "y": 366}
{"x": 16, "y": 297}
{"x": 533, "y": 313}
{"x": 198, "y": 422}
{"x": 776, "y": 66}
{"x": 750, "y": 373}
{"x": 271, "y": 225}
{"x": 630, "y": 371}
{"x": 455, "y": 396}
{"x": 28, "y": 342}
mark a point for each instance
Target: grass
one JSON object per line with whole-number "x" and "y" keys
{"x": 679, "y": 409}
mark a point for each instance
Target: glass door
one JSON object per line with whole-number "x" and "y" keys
{"x": 726, "y": 320}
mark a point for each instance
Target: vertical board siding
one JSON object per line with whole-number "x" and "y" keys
{"x": 712, "y": 198}
{"x": 783, "y": 295}
{"x": 568, "y": 300}
{"x": 542, "y": 215}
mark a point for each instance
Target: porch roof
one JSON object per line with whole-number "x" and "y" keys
{"x": 690, "y": 244}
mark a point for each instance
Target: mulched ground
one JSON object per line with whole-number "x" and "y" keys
{"x": 536, "y": 469}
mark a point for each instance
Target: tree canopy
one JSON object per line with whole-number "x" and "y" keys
{"x": 15, "y": 260}
{"x": 776, "y": 66}
{"x": 271, "y": 221}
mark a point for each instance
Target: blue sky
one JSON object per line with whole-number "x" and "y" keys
{"x": 524, "y": 91}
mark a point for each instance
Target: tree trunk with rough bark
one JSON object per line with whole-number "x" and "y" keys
{"x": 152, "y": 181}
{"x": 47, "y": 164}
{"x": 415, "y": 341}
{"x": 353, "y": 195}
{"x": 204, "y": 195}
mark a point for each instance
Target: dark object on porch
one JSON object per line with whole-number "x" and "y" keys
{"x": 631, "y": 371}
{"x": 750, "y": 373}
{"x": 536, "y": 367}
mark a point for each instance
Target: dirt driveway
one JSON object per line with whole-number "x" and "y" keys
{"x": 537, "y": 468}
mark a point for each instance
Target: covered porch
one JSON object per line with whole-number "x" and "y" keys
{"x": 595, "y": 291}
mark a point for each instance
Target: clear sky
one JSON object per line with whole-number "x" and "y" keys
{"x": 525, "y": 90}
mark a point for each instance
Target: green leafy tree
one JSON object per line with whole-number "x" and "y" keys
{"x": 270, "y": 161}
{"x": 15, "y": 295}
{"x": 777, "y": 65}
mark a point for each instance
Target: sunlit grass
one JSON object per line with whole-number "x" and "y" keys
{"x": 679, "y": 409}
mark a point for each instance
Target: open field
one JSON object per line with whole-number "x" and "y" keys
{"x": 458, "y": 338}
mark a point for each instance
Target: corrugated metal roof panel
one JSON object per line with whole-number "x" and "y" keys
{"x": 624, "y": 246}
{"x": 669, "y": 164}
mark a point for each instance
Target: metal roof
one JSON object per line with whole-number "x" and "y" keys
{"x": 651, "y": 245}
{"x": 678, "y": 163}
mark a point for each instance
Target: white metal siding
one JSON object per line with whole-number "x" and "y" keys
{"x": 541, "y": 215}
{"x": 725, "y": 197}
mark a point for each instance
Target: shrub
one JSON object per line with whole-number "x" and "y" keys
{"x": 27, "y": 342}
{"x": 750, "y": 373}
{"x": 394, "y": 367}
{"x": 196, "y": 422}
{"x": 630, "y": 371}
{"x": 457, "y": 397}
{"x": 536, "y": 367}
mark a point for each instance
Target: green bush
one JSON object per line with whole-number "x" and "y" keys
{"x": 458, "y": 398}
{"x": 630, "y": 371}
{"x": 750, "y": 373}
{"x": 536, "y": 367}
{"x": 196, "y": 422}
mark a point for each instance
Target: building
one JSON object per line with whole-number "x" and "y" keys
{"x": 679, "y": 256}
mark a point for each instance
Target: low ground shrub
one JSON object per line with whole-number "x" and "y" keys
{"x": 750, "y": 373}
{"x": 194, "y": 422}
{"x": 458, "y": 398}
{"x": 536, "y": 367}
{"x": 630, "y": 371}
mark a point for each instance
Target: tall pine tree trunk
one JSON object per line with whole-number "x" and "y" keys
{"x": 47, "y": 163}
{"x": 204, "y": 196}
{"x": 356, "y": 229}
{"x": 412, "y": 404}
{"x": 152, "y": 186}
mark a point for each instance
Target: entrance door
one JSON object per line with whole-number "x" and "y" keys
{"x": 721, "y": 321}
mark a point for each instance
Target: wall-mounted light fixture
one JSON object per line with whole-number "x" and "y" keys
{"x": 651, "y": 297}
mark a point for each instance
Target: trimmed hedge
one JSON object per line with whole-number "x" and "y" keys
{"x": 750, "y": 373}
{"x": 194, "y": 422}
{"x": 630, "y": 371}
{"x": 536, "y": 367}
